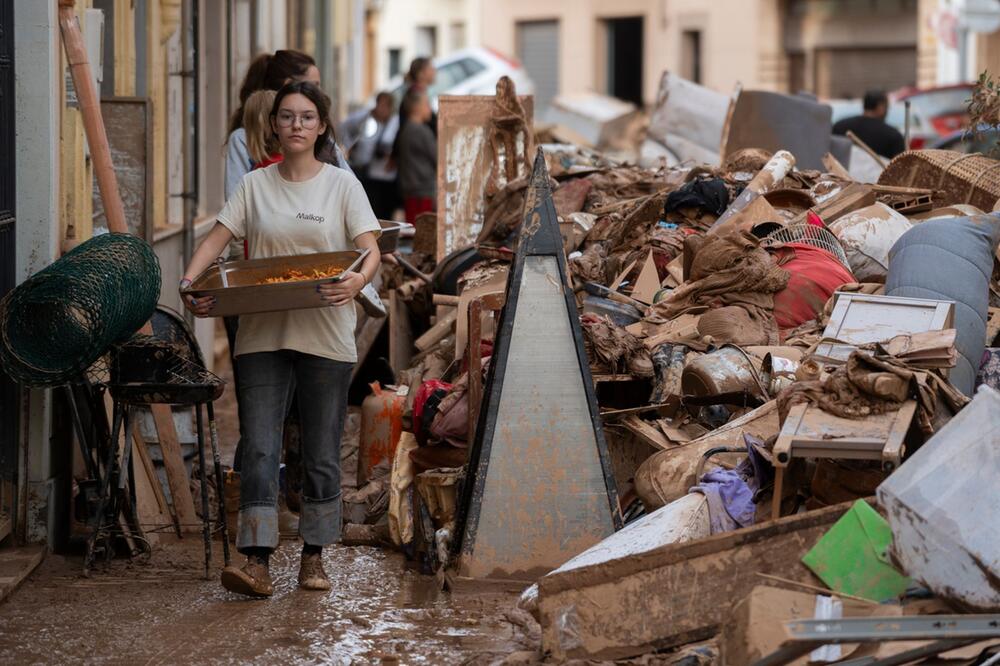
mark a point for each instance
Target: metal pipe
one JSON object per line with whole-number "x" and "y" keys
{"x": 90, "y": 110}
{"x": 192, "y": 147}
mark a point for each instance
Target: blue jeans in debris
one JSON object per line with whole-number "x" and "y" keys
{"x": 266, "y": 380}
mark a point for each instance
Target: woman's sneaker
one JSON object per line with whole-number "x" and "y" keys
{"x": 252, "y": 579}
{"x": 311, "y": 573}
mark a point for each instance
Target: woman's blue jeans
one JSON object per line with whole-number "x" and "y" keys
{"x": 266, "y": 384}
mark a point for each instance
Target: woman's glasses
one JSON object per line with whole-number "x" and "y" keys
{"x": 307, "y": 120}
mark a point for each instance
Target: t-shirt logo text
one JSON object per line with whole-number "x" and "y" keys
{"x": 310, "y": 216}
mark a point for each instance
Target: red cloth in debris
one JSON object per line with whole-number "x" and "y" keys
{"x": 415, "y": 206}
{"x": 814, "y": 275}
{"x": 425, "y": 391}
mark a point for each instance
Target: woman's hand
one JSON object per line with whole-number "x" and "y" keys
{"x": 343, "y": 290}
{"x": 200, "y": 306}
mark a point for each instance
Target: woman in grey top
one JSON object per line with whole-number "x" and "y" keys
{"x": 417, "y": 149}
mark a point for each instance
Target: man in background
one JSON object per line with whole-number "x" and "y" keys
{"x": 871, "y": 127}
{"x": 370, "y": 137}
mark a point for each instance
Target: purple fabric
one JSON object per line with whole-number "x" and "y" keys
{"x": 730, "y": 500}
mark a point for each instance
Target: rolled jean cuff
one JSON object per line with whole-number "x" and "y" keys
{"x": 319, "y": 522}
{"x": 257, "y": 527}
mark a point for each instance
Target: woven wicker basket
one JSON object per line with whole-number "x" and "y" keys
{"x": 956, "y": 178}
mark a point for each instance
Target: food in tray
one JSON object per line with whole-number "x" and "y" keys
{"x": 296, "y": 275}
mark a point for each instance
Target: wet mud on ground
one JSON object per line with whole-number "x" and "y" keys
{"x": 165, "y": 612}
{"x": 161, "y": 610}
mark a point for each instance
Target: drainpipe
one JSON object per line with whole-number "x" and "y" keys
{"x": 192, "y": 138}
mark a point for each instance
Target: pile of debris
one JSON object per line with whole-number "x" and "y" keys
{"x": 786, "y": 389}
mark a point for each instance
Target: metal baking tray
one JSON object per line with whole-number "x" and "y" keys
{"x": 245, "y": 295}
{"x": 389, "y": 240}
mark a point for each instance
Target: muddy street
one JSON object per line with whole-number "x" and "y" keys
{"x": 164, "y": 612}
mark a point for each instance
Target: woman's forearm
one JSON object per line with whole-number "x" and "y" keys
{"x": 211, "y": 248}
{"x": 370, "y": 266}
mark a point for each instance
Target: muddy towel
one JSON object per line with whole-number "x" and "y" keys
{"x": 614, "y": 347}
{"x": 867, "y": 385}
{"x": 731, "y": 270}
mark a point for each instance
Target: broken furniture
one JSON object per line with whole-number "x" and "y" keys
{"x": 774, "y": 121}
{"x": 942, "y": 508}
{"x": 859, "y": 319}
{"x": 592, "y": 119}
{"x": 488, "y": 303}
{"x": 147, "y": 371}
{"x": 475, "y": 131}
{"x": 540, "y": 487}
{"x": 810, "y": 432}
{"x": 688, "y": 119}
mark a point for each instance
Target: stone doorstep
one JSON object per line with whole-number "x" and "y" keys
{"x": 16, "y": 564}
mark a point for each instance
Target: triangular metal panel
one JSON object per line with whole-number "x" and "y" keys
{"x": 540, "y": 488}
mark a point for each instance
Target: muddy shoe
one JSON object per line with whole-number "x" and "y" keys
{"x": 252, "y": 579}
{"x": 311, "y": 574}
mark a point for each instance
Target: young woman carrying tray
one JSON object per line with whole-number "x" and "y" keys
{"x": 298, "y": 206}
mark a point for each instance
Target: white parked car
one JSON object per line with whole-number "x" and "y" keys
{"x": 472, "y": 71}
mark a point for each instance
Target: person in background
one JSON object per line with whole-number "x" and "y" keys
{"x": 421, "y": 76}
{"x": 871, "y": 127}
{"x": 262, "y": 143}
{"x": 300, "y": 205}
{"x": 370, "y": 137}
{"x": 417, "y": 149}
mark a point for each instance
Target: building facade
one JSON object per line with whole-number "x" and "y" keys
{"x": 167, "y": 72}
{"x": 832, "y": 48}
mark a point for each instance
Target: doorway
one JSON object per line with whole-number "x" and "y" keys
{"x": 624, "y": 58}
{"x": 8, "y": 389}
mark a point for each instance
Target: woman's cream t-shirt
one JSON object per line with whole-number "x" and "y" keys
{"x": 281, "y": 218}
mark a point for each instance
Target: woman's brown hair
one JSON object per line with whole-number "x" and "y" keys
{"x": 322, "y": 103}
{"x": 270, "y": 72}
{"x": 417, "y": 65}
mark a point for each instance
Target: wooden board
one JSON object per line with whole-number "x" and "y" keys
{"x": 173, "y": 465}
{"x": 438, "y": 332}
{"x": 400, "y": 334}
{"x": 465, "y": 161}
{"x": 151, "y": 504}
{"x": 129, "y": 126}
{"x": 540, "y": 487}
{"x": 809, "y": 432}
{"x": 671, "y": 595}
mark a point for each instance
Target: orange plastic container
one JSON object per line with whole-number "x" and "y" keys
{"x": 381, "y": 426}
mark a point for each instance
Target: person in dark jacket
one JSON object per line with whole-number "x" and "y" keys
{"x": 417, "y": 147}
{"x": 871, "y": 127}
